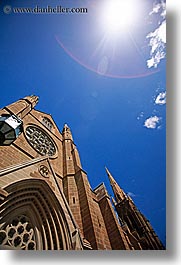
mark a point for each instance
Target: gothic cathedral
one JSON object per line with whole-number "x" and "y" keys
{"x": 46, "y": 202}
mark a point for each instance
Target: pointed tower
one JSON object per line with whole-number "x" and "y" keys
{"x": 118, "y": 192}
{"x": 67, "y": 133}
{"x": 92, "y": 209}
{"x": 134, "y": 223}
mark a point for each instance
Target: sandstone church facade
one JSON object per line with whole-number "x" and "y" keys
{"x": 46, "y": 201}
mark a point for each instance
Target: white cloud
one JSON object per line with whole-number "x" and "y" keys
{"x": 152, "y": 122}
{"x": 158, "y": 45}
{"x": 157, "y": 38}
{"x": 161, "y": 98}
{"x": 159, "y": 8}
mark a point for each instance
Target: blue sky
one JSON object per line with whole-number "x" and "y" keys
{"x": 110, "y": 90}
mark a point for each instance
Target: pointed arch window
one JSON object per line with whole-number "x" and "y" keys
{"x": 47, "y": 123}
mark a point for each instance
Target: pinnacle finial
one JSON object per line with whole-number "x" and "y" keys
{"x": 32, "y": 99}
{"x": 66, "y": 125}
{"x": 111, "y": 179}
{"x": 107, "y": 171}
{"x": 118, "y": 192}
{"x": 66, "y": 128}
{"x": 67, "y": 132}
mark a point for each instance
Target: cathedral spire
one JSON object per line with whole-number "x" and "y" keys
{"x": 137, "y": 226}
{"x": 118, "y": 192}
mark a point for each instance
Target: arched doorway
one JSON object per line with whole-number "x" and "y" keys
{"x": 31, "y": 218}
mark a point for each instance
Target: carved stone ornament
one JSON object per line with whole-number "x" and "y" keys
{"x": 44, "y": 171}
{"x": 40, "y": 141}
{"x": 19, "y": 234}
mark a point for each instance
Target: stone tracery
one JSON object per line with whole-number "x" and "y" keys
{"x": 40, "y": 141}
{"x": 18, "y": 234}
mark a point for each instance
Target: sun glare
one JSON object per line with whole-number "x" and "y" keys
{"x": 118, "y": 15}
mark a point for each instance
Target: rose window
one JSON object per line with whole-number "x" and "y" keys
{"x": 40, "y": 141}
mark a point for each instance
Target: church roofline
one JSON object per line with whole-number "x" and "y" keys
{"x": 99, "y": 185}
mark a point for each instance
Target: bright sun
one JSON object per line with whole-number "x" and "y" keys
{"x": 118, "y": 15}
